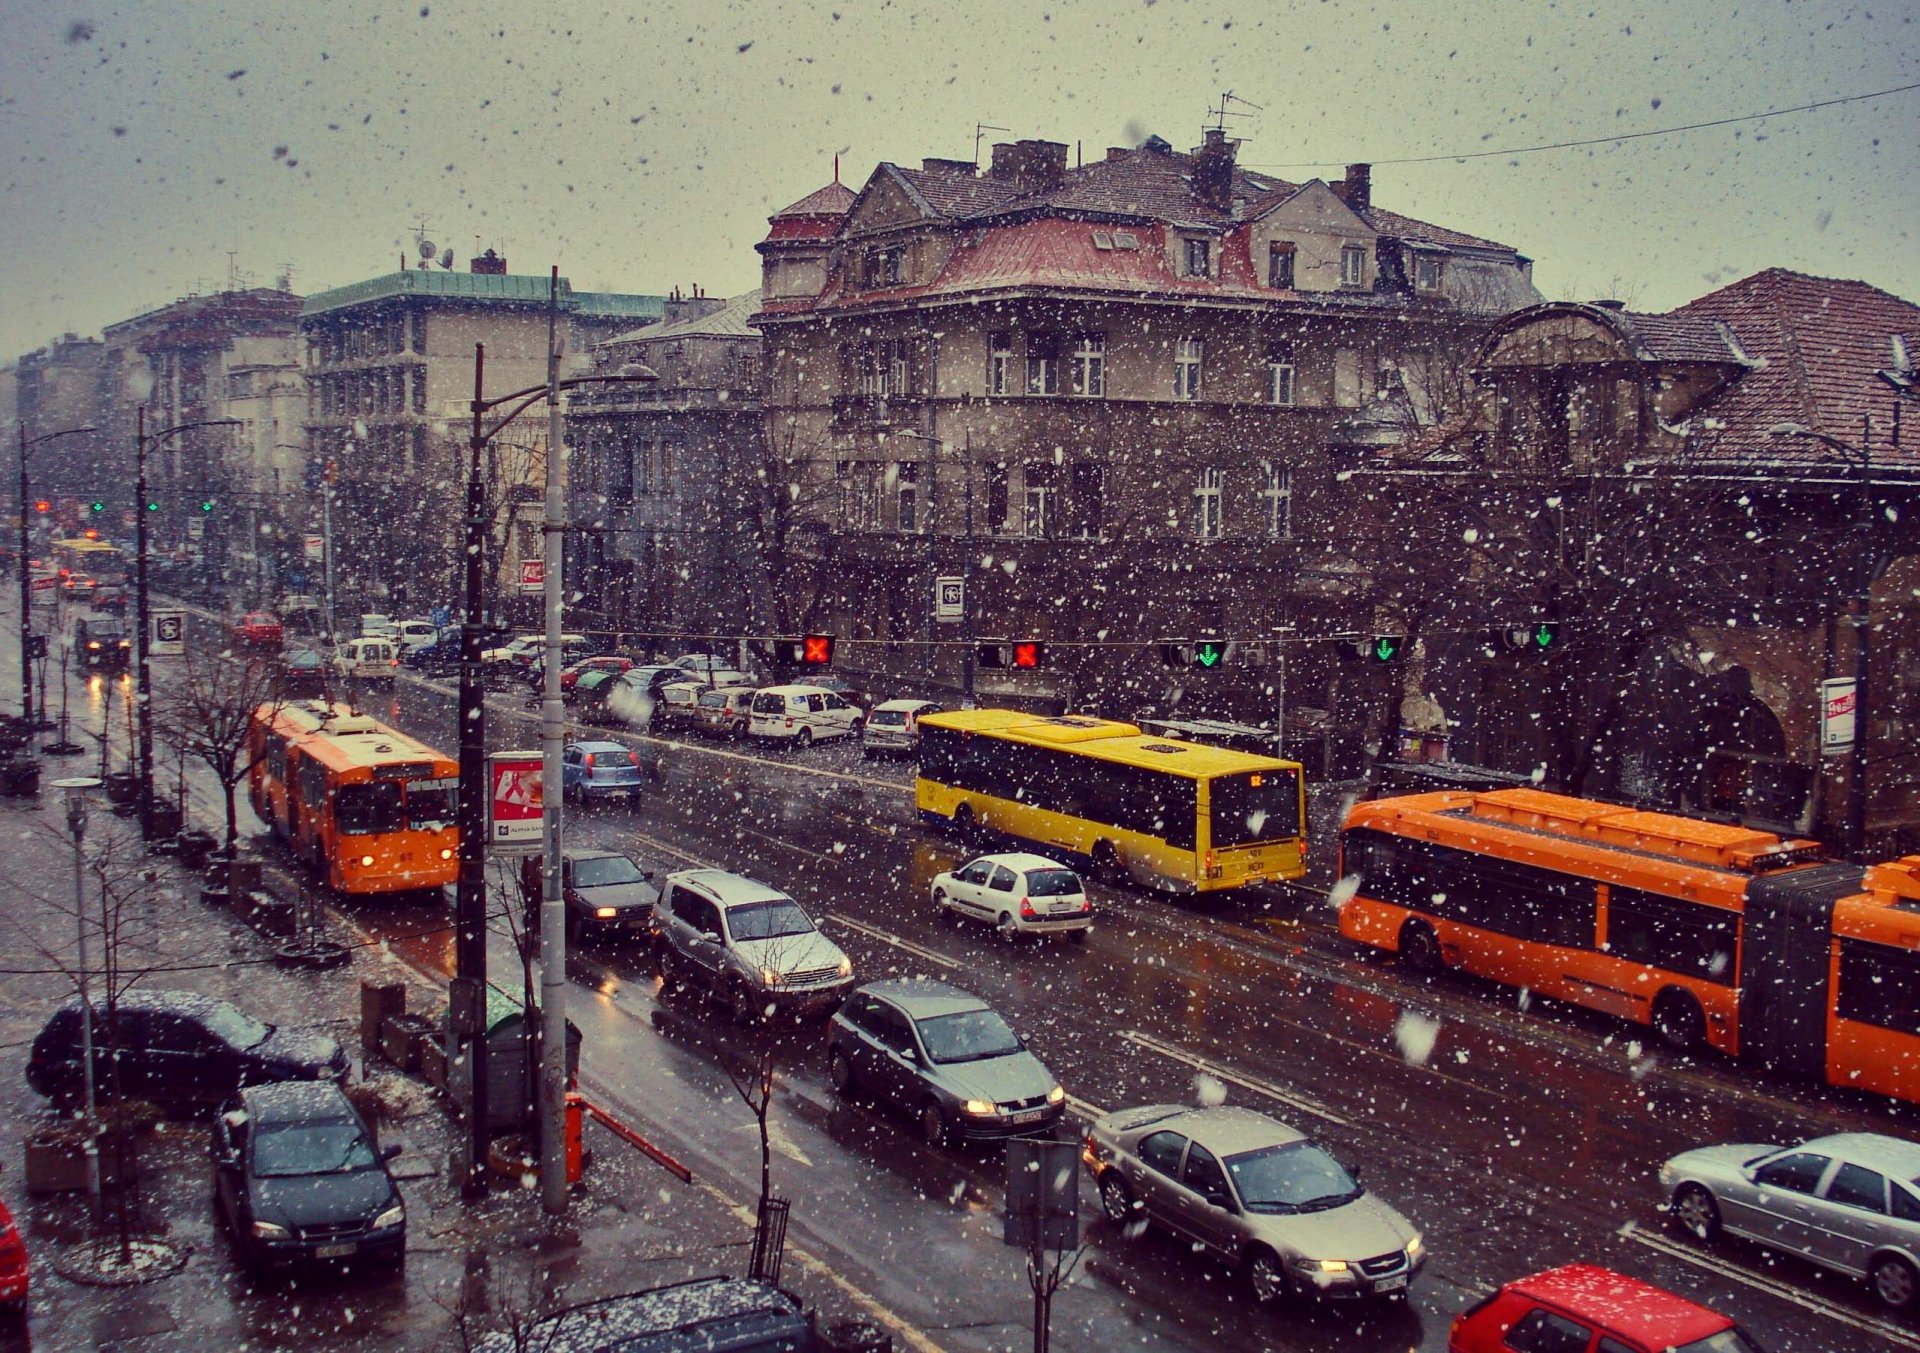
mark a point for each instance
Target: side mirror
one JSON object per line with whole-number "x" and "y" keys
{"x": 389, "y": 1151}
{"x": 710, "y": 936}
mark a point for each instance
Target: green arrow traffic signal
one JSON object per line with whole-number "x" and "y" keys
{"x": 1545, "y": 634}
{"x": 97, "y": 506}
{"x": 1208, "y": 652}
{"x": 1386, "y": 647}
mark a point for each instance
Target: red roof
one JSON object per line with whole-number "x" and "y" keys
{"x": 832, "y": 200}
{"x": 1652, "y": 1316}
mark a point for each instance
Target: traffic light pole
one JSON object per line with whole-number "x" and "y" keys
{"x": 466, "y": 1012}
{"x": 26, "y": 595}
{"x": 145, "y": 677}
{"x": 966, "y": 580}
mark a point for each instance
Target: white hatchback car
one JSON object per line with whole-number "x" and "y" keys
{"x": 1018, "y": 894}
{"x": 893, "y": 727}
{"x": 802, "y": 715}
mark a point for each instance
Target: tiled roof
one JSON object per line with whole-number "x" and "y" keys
{"x": 1820, "y": 345}
{"x": 959, "y": 196}
{"x": 1680, "y": 337}
{"x": 730, "y": 321}
{"x": 832, "y": 200}
{"x": 1406, "y": 228}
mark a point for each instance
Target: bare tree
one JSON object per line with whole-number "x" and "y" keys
{"x": 209, "y": 715}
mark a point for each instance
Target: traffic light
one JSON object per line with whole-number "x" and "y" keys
{"x": 206, "y": 504}
{"x": 42, "y": 505}
{"x": 153, "y": 507}
{"x": 1194, "y": 652}
{"x": 91, "y": 533}
{"x": 1386, "y": 647}
{"x": 1538, "y": 637}
{"x": 1209, "y": 652}
{"x": 1019, "y": 653}
{"x": 813, "y": 650}
{"x": 96, "y": 507}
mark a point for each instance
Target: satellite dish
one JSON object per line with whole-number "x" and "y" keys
{"x": 446, "y": 258}
{"x": 427, "y": 250}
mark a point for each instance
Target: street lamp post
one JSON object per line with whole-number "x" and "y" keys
{"x": 77, "y": 790}
{"x": 467, "y": 1001}
{"x": 26, "y": 582}
{"x": 1860, "y": 459}
{"x": 144, "y": 681}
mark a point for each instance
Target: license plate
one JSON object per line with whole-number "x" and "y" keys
{"x": 1393, "y": 1284}
{"x": 1030, "y": 1116}
{"x": 340, "y": 1251}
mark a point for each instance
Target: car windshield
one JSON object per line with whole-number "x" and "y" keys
{"x": 888, "y": 718}
{"x": 369, "y": 809}
{"x": 1053, "y": 883}
{"x": 333, "y": 1146}
{"x": 1297, "y": 1177}
{"x": 768, "y": 920}
{"x": 714, "y": 700}
{"x": 1733, "y": 1340}
{"x": 430, "y": 809}
{"x": 967, "y": 1036}
{"x": 767, "y": 703}
{"x": 606, "y": 869}
{"x": 234, "y": 1026}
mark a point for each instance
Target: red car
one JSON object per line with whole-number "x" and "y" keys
{"x": 13, "y": 1265}
{"x": 258, "y": 629}
{"x": 1581, "y": 1307}
{"x": 569, "y": 675}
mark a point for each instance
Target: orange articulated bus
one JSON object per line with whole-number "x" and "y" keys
{"x": 1712, "y": 934}
{"x": 369, "y": 808}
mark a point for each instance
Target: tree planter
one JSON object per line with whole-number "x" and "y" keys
{"x": 196, "y": 848}
{"x": 433, "y": 1062}
{"x": 165, "y": 819}
{"x": 266, "y": 913}
{"x": 56, "y": 1159}
{"x": 401, "y": 1037}
{"x": 312, "y": 955}
{"x": 123, "y": 786}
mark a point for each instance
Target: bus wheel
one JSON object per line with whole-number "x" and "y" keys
{"x": 1106, "y": 863}
{"x": 963, "y": 822}
{"x": 1420, "y": 947}
{"x": 1678, "y": 1019}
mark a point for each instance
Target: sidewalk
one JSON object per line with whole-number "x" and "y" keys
{"x": 631, "y": 1225}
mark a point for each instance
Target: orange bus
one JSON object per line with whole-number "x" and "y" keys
{"x": 369, "y": 808}
{"x": 1712, "y": 934}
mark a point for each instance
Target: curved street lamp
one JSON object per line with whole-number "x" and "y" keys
{"x": 26, "y": 583}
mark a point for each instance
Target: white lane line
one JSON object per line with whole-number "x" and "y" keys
{"x": 1232, "y": 1077}
{"x": 1893, "y": 1334}
{"x": 875, "y": 932}
{"x": 1079, "y": 1108}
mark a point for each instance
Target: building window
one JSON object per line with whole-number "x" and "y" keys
{"x": 1346, "y": 378}
{"x": 1042, "y": 502}
{"x": 1206, "y": 505}
{"x": 886, "y": 267}
{"x": 1280, "y": 372}
{"x": 1278, "y": 491}
{"x": 1353, "y": 266}
{"x": 670, "y": 452}
{"x": 1088, "y": 504}
{"x": 420, "y": 389}
{"x": 1427, "y": 270}
{"x": 997, "y": 499}
{"x": 1187, "y": 353}
{"x": 420, "y": 332}
{"x": 1090, "y": 365}
{"x": 906, "y": 477}
{"x": 1043, "y": 364}
{"x": 1199, "y": 257}
{"x": 896, "y": 351}
{"x": 619, "y": 476}
{"x": 1280, "y": 264}
{"x": 1000, "y": 363}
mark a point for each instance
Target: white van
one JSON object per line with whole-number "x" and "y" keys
{"x": 801, "y": 715}
{"x": 367, "y": 659}
{"x": 416, "y": 634}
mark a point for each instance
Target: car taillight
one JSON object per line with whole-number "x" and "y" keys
{"x": 1027, "y": 913}
{"x": 587, "y": 761}
{"x": 634, "y": 757}
{"x": 789, "y": 720}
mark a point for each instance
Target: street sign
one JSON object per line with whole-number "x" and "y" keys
{"x": 1838, "y": 707}
{"x": 533, "y": 575}
{"x": 1042, "y": 1206}
{"x": 441, "y": 617}
{"x": 514, "y": 803}
{"x": 169, "y": 637}
{"x": 196, "y": 527}
{"x": 297, "y": 579}
{"x": 316, "y": 548}
{"x": 949, "y": 599}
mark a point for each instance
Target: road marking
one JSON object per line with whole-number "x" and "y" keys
{"x": 1892, "y": 1333}
{"x": 1081, "y": 1109}
{"x": 1232, "y": 1077}
{"x": 875, "y": 932}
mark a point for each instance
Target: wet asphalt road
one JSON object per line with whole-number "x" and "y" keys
{"x": 1515, "y": 1138}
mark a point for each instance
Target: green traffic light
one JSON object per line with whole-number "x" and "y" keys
{"x": 207, "y": 506}
{"x": 1208, "y": 654}
{"x": 153, "y": 507}
{"x": 1386, "y": 647}
{"x": 1545, "y": 634}
{"x": 98, "y": 507}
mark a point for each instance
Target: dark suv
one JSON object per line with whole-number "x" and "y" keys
{"x": 100, "y": 643}
{"x": 178, "y": 1049}
{"x": 713, "y": 1315}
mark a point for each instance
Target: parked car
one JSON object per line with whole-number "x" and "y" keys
{"x": 413, "y": 634}
{"x": 297, "y": 1179}
{"x": 633, "y": 699}
{"x": 724, "y": 712}
{"x": 699, "y": 664}
{"x": 101, "y": 644}
{"x": 440, "y": 656}
{"x": 746, "y": 944}
{"x": 1572, "y": 1306}
{"x": 846, "y": 690}
{"x": 599, "y": 663}
{"x": 737, "y": 1315}
{"x": 301, "y": 614}
{"x": 573, "y": 650}
{"x": 366, "y": 659}
{"x": 946, "y": 1057}
{"x": 1849, "y": 1202}
{"x": 259, "y": 629}
{"x": 589, "y": 694}
{"x": 376, "y": 626}
{"x": 801, "y": 715}
{"x": 599, "y": 770}
{"x": 1018, "y": 894}
{"x": 893, "y": 727}
{"x": 512, "y": 651}
{"x": 178, "y": 1049}
{"x": 16, "y": 1274}
{"x": 303, "y": 675}
{"x": 1255, "y": 1192}
{"x": 605, "y": 892}
{"x": 679, "y": 701}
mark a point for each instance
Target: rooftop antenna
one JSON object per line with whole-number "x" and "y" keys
{"x": 1217, "y": 117}
{"x": 980, "y": 130}
{"x": 232, "y": 270}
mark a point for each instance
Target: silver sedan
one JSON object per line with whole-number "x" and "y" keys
{"x": 1258, "y": 1194}
{"x": 1849, "y": 1202}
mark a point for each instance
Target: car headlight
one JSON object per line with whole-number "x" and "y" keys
{"x": 605, "y": 913}
{"x": 1055, "y": 1095}
{"x": 770, "y": 977}
{"x": 1416, "y": 1247}
{"x": 845, "y": 968}
{"x": 266, "y": 1230}
{"x": 393, "y": 1216}
{"x": 1323, "y": 1265}
{"x": 981, "y": 1107}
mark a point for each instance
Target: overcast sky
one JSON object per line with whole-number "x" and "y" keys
{"x": 642, "y": 145}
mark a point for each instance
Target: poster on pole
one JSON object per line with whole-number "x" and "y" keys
{"x": 316, "y": 548}
{"x": 514, "y": 803}
{"x": 533, "y": 575}
{"x": 1838, "y": 707}
{"x": 169, "y": 637}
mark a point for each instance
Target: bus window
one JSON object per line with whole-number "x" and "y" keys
{"x": 1878, "y": 985}
{"x": 1671, "y": 933}
{"x": 1243, "y": 812}
{"x": 430, "y": 807}
{"x": 369, "y": 809}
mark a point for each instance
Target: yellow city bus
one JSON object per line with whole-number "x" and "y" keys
{"x": 1169, "y": 814}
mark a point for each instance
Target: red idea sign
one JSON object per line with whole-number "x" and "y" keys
{"x": 514, "y": 801}
{"x": 533, "y": 575}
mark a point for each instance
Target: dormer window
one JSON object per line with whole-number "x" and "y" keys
{"x": 1280, "y": 265}
{"x": 1353, "y": 266}
{"x": 1199, "y": 257}
{"x": 1428, "y": 270}
{"x": 885, "y": 267}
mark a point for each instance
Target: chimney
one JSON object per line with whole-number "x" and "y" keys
{"x": 489, "y": 263}
{"x": 1357, "y": 191}
{"x": 1030, "y": 166}
{"x": 962, "y": 168}
{"x": 1213, "y": 170}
